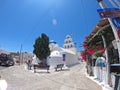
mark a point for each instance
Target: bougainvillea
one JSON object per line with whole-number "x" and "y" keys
{"x": 91, "y": 51}
{"x": 94, "y": 43}
{"x": 83, "y": 55}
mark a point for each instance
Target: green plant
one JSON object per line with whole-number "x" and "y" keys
{"x": 41, "y": 47}
{"x": 98, "y": 54}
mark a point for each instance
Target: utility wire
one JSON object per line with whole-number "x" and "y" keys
{"x": 37, "y": 23}
{"x": 83, "y": 14}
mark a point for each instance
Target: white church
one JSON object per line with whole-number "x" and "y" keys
{"x": 66, "y": 55}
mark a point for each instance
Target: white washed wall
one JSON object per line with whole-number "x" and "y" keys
{"x": 71, "y": 59}
{"x": 100, "y": 74}
{"x": 53, "y": 61}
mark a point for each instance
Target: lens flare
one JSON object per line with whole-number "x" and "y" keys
{"x": 54, "y": 22}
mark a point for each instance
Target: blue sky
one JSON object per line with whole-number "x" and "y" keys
{"x": 22, "y": 21}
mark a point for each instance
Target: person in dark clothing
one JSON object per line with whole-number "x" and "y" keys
{"x": 29, "y": 65}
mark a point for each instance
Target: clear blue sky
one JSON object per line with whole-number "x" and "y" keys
{"x": 22, "y": 21}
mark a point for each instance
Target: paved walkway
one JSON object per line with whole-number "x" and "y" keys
{"x": 71, "y": 79}
{"x": 2, "y": 67}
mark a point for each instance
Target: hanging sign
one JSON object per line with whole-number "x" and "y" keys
{"x": 109, "y": 12}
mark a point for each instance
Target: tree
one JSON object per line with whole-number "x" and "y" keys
{"x": 41, "y": 47}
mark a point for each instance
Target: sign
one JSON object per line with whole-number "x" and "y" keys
{"x": 107, "y": 9}
{"x": 109, "y": 12}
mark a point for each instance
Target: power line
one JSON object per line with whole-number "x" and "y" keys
{"x": 84, "y": 14}
{"x": 37, "y": 24}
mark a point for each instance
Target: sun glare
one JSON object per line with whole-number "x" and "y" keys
{"x": 54, "y": 21}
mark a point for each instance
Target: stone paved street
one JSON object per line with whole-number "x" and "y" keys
{"x": 74, "y": 78}
{"x": 1, "y": 67}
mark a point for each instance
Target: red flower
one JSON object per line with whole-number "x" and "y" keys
{"x": 88, "y": 46}
{"x": 85, "y": 45}
{"x": 99, "y": 47}
{"x": 83, "y": 55}
{"x": 102, "y": 51}
{"x": 91, "y": 52}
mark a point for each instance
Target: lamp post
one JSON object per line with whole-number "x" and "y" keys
{"x": 20, "y": 55}
{"x": 114, "y": 28}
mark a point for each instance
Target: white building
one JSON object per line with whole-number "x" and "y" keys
{"x": 69, "y": 44}
{"x": 67, "y": 55}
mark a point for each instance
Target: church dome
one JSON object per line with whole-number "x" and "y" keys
{"x": 52, "y": 41}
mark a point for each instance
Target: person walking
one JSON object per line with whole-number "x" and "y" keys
{"x": 29, "y": 65}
